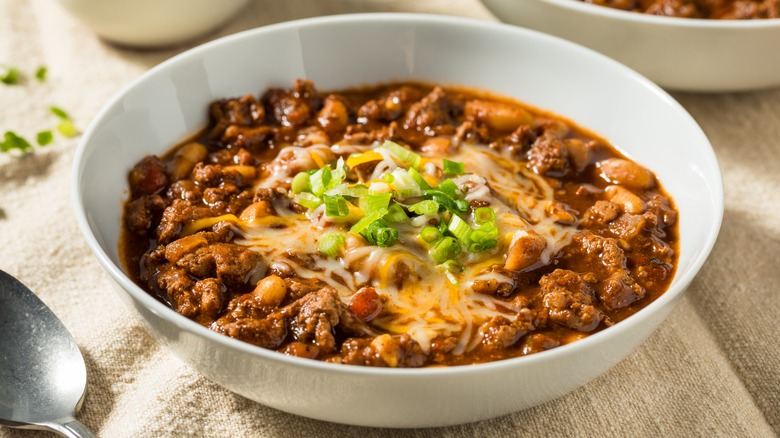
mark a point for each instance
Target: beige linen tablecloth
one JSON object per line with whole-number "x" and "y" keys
{"x": 712, "y": 369}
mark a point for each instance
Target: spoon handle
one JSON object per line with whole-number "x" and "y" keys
{"x": 71, "y": 428}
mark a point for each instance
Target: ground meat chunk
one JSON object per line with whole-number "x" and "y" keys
{"x": 499, "y": 332}
{"x": 232, "y": 264}
{"x": 185, "y": 189}
{"x": 293, "y": 107}
{"x": 212, "y": 175}
{"x": 177, "y": 287}
{"x": 569, "y": 301}
{"x": 433, "y": 110}
{"x": 537, "y": 342}
{"x": 148, "y": 176}
{"x": 549, "y": 156}
{"x": 620, "y": 289}
{"x": 267, "y": 333}
{"x": 175, "y": 216}
{"x": 601, "y": 213}
{"x": 212, "y": 296}
{"x": 140, "y": 213}
{"x": 388, "y": 107}
{"x": 383, "y": 351}
{"x": 243, "y": 111}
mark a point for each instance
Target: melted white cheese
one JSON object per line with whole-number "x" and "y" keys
{"x": 424, "y": 302}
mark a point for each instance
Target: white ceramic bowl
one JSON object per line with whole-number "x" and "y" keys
{"x": 677, "y": 53}
{"x": 153, "y": 23}
{"x": 170, "y": 101}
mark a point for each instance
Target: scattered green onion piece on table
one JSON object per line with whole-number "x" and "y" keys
{"x": 40, "y": 74}
{"x": 330, "y": 244}
{"x": 430, "y": 234}
{"x": 483, "y": 215}
{"x": 44, "y": 137}
{"x": 301, "y": 183}
{"x": 453, "y": 168}
{"x": 12, "y": 141}
{"x": 67, "y": 129}
{"x": 336, "y": 206}
{"x": 59, "y": 112}
{"x": 426, "y": 207}
{"x": 10, "y": 75}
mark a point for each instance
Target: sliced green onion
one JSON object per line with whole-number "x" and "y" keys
{"x": 301, "y": 183}
{"x": 452, "y": 168}
{"x": 449, "y": 188}
{"x": 484, "y": 233}
{"x": 483, "y": 246}
{"x": 44, "y": 138}
{"x": 338, "y": 174}
{"x": 419, "y": 179}
{"x": 446, "y": 248}
{"x": 483, "y": 215}
{"x": 430, "y": 234}
{"x": 363, "y": 223}
{"x": 379, "y": 234}
{"x": 372, "y": 203}
{"x": 10, "y": 75}
{"x": 460, "y": 229}
{"x": 320, "y": 180}
{"x": 59, "y": 112}
{"x": 335, "y": 206}
{"x": 12, "y": 141}
{"x": 448, "y": 203}
{"x": 396, "y": 214}
{"x": 404, "y": 184}
{"x": 402, "y": 153}
{"x": 426, "y": 207}
{"x": 453, "y": 266}
{"x": 355, "y": 191}
{"x": 330, "y": 243}
{"x": 389, "y": 178}
{"x": 67, "y": 129}
{"x": 40, "y": 74}
{"x": 308, "y": 200}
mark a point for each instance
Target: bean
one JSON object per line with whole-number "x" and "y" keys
{"x": 256, "y": 210}
{"x": 626, "y": 173}
{"x": 525, "y": 251}
{"x": 365, "y": 304}
{"x": 630, "y": 202}
{"x": 185, "y": 159}
{"x": 498, "y": 115}
{"x": 270, "y": 291}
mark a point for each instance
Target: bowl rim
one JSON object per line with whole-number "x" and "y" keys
{"x": 117, "y": 274}
{"x": 637, "y": 17}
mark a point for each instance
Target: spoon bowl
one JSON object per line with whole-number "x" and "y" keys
{"x": 42, "y": 372}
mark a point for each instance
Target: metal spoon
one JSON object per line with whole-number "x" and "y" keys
{"x": 42, "y": 372}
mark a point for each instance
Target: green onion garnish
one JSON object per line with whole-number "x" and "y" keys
{"x": 460, "y": 229}
{"x": 10, "y": 75}
{"x": 426, "y": 207}
{"x": 44, "y": 138}
{"x": 453, "y": 168}
{"x": 446, "y": 248}
{"x": 330, "y": 243}
{"x": 308, "y": 200}
{"x": 335, "y": 206}
{"x": 483, "y": 215}
{"x": 379, "y": 234}
{"x": 363, "y": 223}
{"x": 402, "y": 153}
{"x": 449, "y": 188}
{"x": 430, "y": 234}
{"x": 419, "y": 179}
{"x": 320, "y": 180}
{"x": 67, "y": 129}
{"x": 301, "y": 183}
{"x": 372, "y": 203}
{"x": 404, "y": 184}
{"x": 396, "y": 214}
